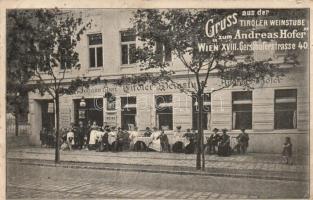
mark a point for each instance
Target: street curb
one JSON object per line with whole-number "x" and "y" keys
{"x": 101, "y": 166}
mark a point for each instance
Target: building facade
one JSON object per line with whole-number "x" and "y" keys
{"x": 274, "y": 109}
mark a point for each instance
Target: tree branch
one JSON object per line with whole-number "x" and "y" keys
{"x": 43, "y": 84}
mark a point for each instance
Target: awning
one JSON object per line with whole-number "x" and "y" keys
{"x": 286, "y": 100}
{"x": 162, "y": 105}
{"x": 130, "y": 106}
{"x": 247, "y": 101}
{"x": 207, "y": 103}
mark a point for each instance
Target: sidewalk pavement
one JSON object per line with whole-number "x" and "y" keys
{"x": 251, "y": 165}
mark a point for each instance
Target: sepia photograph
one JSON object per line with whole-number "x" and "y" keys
{"x": 157, "y": 103}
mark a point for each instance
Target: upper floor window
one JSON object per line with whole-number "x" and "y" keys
{"x": 285, "y": 109}
{"x": 95, "y": 50}
{"x": 128, "y": 47}
{"x": 163, "y": 52}
{"x": 242, "y": 109}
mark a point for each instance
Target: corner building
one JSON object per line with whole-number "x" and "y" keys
{"x": 275, "y": 109}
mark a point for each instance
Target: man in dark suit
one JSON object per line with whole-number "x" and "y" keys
{"x": 213, "y": 141}
{"x": 224, "y": 144}
{"x": 165, "y": 146}
{"x": 190, "y": 148}
{"x": 243, "y": 140}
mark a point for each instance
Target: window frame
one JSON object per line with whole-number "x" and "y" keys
{"x": 128, "y": 44}
{"x": 295, "y": 104}
{"x": 95, "y": 47}
{"x": 162, "y": 54}
{"x": 244, "y": 102}
{"x": 159, "y": 112}
{"x": 128, "y": 111}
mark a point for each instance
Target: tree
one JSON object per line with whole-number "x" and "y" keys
{"x": 51, "y": 36}
{"x": 180, "y": 31}
{"x": 19, "y": 67}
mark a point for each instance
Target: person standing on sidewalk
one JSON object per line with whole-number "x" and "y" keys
{"x": 165, "y": 146}
{"x": 243, "y": 140}
{"x": 155, "y": 143}
{"x": 80, "y": 134}
{"x": 213, "y": 140}
{"x": 287, "y": 151}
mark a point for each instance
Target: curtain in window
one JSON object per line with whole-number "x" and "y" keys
{"x": 295, "y": 119}
{"x": 234, "y": 119}
{"x": 209, "y": 121}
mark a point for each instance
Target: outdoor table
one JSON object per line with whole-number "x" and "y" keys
{"x": 145, "y": 140}
{"x": 172, "y": 140}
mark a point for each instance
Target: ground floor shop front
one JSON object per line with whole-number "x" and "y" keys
{"x": 269, "y": 113}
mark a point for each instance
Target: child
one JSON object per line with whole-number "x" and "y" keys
{"x": 287, "y": 151}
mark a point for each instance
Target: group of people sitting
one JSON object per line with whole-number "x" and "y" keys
{"x": 108, "y": 138}
{"x": 224, "y": 146}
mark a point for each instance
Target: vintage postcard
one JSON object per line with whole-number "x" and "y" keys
{"x": 156, "y": 100}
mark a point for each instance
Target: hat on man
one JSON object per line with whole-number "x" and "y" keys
{"x": 178, "y": 127}
{"x": 224, "y": 130}
{"x": 242, "y": 129}
{"x": 215, "y": 130}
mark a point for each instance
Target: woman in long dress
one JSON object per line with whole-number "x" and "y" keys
{"x": 155, "y": 144}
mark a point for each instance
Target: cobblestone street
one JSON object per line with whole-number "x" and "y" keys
{"x": 89, "y": 174}
{"x": 60, "y": 183}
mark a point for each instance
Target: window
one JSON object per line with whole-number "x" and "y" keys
{"x": 44, "y": 63}
{"x": 95, "y": 50}
{"x": 164, "y": 112}
{"x": 128, "y": 115}
{"x": 163, "y": 52}
{"x": 206, "y": 112}
{"x": 128, "y": 47}
{"x": 242, "y": 110}
{"x": 285, "y": 109}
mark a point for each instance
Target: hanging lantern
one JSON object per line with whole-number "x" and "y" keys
{"x": 82, "y": 102}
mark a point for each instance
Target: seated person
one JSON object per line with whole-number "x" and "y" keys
{"x": 213, "y": 141}
{"x": 95, "y": 139}
{"x": 70, "y": 139}
{"x": 103, "y": 142}
{"x": 147, "y": 132}
{"x": 224, "y": 144}
{"x": 190, "y": 147}
{"x": 178, "y": 132}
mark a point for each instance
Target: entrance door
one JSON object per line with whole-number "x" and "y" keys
{"x": 128, "y": 113}
{"x": 93, "y": 111}
{"x": 47, "y": 115}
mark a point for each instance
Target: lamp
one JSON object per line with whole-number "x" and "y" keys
{"x": 82, "y": 102}
{"x": 196, "y": 103}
